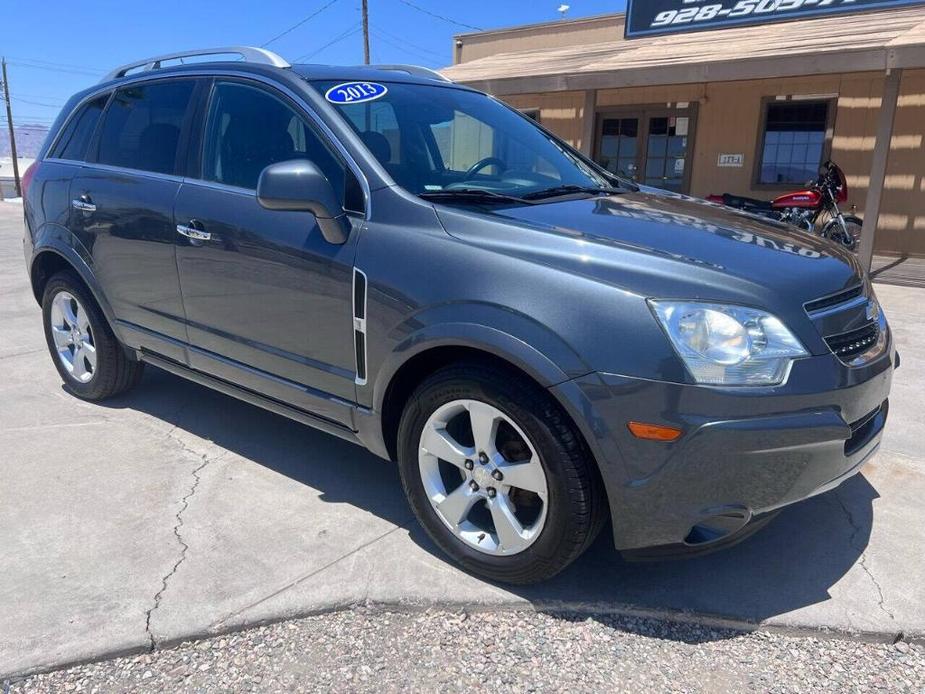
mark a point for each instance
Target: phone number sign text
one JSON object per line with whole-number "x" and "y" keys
{"x": 647, "y": 17}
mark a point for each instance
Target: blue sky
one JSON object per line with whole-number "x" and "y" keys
{"x": 56, "y": 47}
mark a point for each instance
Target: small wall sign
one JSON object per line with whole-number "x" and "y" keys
{"x": 731, "y": 161}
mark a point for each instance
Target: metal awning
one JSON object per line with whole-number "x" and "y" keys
{"x": 872, "y": 41}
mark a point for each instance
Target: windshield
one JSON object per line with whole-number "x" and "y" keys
{"x": 441, "y": 141}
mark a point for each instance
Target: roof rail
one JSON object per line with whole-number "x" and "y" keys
{"x": 248, "y": 54}
{"x": 415, "y": 70}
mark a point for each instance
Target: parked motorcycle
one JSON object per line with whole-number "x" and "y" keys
{"x": 813, "y": 209}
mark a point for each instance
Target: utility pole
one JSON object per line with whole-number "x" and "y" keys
{"x": 9, "y": 121}
{"x": 366, "y": 32}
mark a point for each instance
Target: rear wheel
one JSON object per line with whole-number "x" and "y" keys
{"x": 497, "y": 474}
{"x": 89, "y": 358}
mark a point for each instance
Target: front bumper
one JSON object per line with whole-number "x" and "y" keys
{"x": 745, "y": 453}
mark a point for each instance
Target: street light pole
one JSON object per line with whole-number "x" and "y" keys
{"x": 9, "y": 122}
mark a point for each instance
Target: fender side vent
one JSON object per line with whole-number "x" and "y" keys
{"x": 359, "y": 323}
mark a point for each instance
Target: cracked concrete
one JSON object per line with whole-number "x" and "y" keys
{"x": 862, "y": 561}
{"x": 184, "y": 548}
{"x": 175, "y": 512}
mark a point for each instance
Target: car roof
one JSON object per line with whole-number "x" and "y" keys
{"x": 369, "y": 73}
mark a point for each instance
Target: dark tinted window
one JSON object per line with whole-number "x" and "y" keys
{"x": 249, "y": 129}
{"x": 77, "y": 133}
{"x": 794, "y": 139}
{"x": 141, "y": 129}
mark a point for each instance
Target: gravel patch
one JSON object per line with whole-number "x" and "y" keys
{"x": 367, "y": 650}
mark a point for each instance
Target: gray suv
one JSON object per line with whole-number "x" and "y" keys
{"x": 414, "y": 266}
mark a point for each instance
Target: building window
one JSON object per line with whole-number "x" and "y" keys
{"x": 794, "y": 140}
{"x": 532, "y": 113}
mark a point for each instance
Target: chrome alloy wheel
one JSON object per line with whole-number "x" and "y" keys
{"x": 483, "y": 477}
{"x": 73, "y": 336}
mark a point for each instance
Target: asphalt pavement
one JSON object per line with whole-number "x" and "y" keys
{"x": 175, "y": 512}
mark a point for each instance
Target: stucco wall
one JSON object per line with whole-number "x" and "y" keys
{"x": 728, "y": 122}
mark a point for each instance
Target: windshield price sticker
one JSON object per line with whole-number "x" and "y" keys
{"x": 671, "y": 16}
{"x": 355, "y": 92}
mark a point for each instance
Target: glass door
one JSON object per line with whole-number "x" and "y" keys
{"x": 618, "y": 151}
{"x": 666, "y": 152}
{"x": 650, "y": 146}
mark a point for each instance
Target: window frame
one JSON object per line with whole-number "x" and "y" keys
{"x": 180, "y": 166}
{"x": 196, "y": 165}
{"x": 72, "y": 116}
{"x": 644, "y": 112}
{"x": 831, "y": 103}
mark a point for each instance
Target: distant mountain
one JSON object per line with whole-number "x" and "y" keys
{"x": 29, "y": 139}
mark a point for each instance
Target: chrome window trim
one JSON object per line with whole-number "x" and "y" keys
{"x": 173, "y": 178}
{"x": 67, "y": 162}
{"x": 307, "y": 109}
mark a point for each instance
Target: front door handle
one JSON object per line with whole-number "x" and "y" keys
{"x": 192, "y": 231}
{"x": 83, "y": 203}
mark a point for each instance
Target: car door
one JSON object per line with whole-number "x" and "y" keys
{"x": 122, "y": 207}
{"x": 268, "y": 299}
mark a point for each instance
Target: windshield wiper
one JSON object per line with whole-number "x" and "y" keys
{"x": 569, "y": 190}
{"x": 472, "y": 195}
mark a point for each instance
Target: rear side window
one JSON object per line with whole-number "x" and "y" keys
{"x": 141, "y": 128}
{"x": 249, "y": 129}
{"x": 74, "y": 139}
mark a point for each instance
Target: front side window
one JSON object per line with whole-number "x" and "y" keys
{"x": 141, "y": 128}
{"x": 248, "y": 129}
{"x": 794, "y": 139}
{"x": 433, "y": 139}
{"x": 74, "y": 139}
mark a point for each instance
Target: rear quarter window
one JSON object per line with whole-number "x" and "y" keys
{"x": 76, "y": 135}
{"x": 142, "y": 126}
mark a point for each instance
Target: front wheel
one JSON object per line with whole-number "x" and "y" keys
{"x": 497, "y": 474}
{"x": 849, "y": 236}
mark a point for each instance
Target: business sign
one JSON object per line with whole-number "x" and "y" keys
{"x": 731, "y": 161}
{"x": 648, "y": 17}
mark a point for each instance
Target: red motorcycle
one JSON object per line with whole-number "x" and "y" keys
{"x": 814, "y": 209}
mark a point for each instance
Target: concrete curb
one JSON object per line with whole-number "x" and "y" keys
{"x": 585, "y": 609}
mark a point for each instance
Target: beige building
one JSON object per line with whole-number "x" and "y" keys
{"x": 751, "y": 111}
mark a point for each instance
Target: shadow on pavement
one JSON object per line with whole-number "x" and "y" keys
{"x": 790, "y": 564}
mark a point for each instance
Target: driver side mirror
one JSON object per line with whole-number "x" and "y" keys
{"x": 299, "y": 186}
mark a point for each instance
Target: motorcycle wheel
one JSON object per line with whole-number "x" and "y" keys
{"x": 852, "y": 240}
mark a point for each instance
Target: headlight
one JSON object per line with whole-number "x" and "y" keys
{"x": 729, "y": 345}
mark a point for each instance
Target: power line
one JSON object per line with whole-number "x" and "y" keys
{"x": 355, "y": 29}
{"x": 439, "y": 54}
{"x": 38, "y": 96}
{"x": 406, "y": 49}
{"x": 85, "y": 73}
{"x": 299, "y": 23}
{"x": 36, "y": 103}
{"x": 65, "y": 65}
{"x": 439, "y": 16}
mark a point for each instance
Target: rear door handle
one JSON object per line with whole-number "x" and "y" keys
{"x": 191, "y": 231}
{"x": 83, "y": 204}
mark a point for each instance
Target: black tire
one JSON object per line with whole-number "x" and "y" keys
{"x": 576, "y": 507}
{"x": 833, "y": 231}
{"x": 115, "y": 372}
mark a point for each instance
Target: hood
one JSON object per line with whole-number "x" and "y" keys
{"x": 645, "y": 234}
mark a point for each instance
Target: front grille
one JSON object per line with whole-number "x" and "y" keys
{"x": 834, "y": 299}
{"x": 849, "y": 345}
